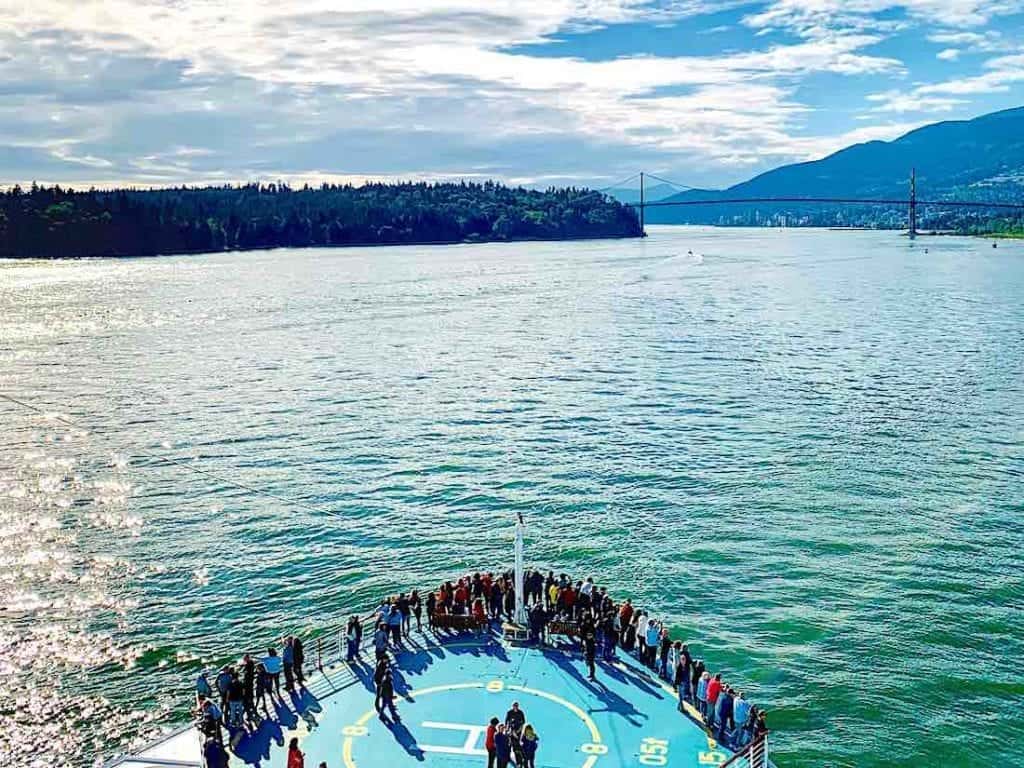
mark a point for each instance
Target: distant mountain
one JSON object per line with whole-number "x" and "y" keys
{"x": 651, "y": 193}
{"x": 980, "y": 159}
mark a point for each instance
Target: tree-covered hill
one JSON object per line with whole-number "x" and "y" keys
{"x": 55, "y": 222}
{"x": 979, "y": 160}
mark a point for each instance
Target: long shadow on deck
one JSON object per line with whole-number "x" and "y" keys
{"x": 613, "y": 702}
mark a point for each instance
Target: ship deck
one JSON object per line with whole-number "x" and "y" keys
{"x": 448, "y": 687}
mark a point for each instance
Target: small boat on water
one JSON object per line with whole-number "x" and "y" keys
{"x": 451, "y": 679}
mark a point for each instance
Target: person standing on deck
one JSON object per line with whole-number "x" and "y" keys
{"x": 590, "y": 651}
{"x": 538, "y": 620}
{"x": 714, "y": 690}
{"x": 214, "y": 754}
{"x": 695, "y": 677}
{"x": 492, "y": 729}
{"x": 640, "y": 621}
{"x": 249, "y": 687}
{"x": 567, "y": 597}
{"x": 461, "y": 598}
{"x": 496, "y": 601}
{"x": 663, "y": 651}
{"x": 702, "y": 693}
{"x": 681, "y": 680}
{"x": 405, "y": 608}
{"x": 236, "y": 701}
{"x": 687, "y": 660}
{"x": 502, "y": 747}
{"x": 298, "y": 657}
{"x": 295, "y": 757}
{"x": 528, "y": 747}
{"x": 515, "y": 719}
{"x": 478, "y": 611}
{"x": 611, "y": 634}
{"x": 625, "y": 617}
{"x": 416, "y": 605}
{"x": 550, "y": 591}
{"x": 726, "y": 724}
{"x": 395, "y": 621}
{"x": 223, "y": 681}
{"x": 203, "y": 685}
{"x": 353, "y": 637}
{"x": 263, "y": 683}
{"x": 431, "y": 609}
{"x": 651, "y": 640}
{"x": 385, "y": 696}
{"x": 210, "y": 720}
{"x": 380, "y": 641}
{"x": 741, "y": 715}
{"x": 288, "y": 661}
{"x": 272, "y": 663}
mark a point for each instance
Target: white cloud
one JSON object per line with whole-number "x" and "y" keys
{"x": 166, "y": 90}
{"x": 948, "y": 54}
{"x": 806, "y": 16}
{"x": 999, "y": 75}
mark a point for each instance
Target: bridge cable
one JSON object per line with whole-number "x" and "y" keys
{"x": 670, "y": 182}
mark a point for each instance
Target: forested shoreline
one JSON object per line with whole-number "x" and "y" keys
{"x": 52, "y": 222}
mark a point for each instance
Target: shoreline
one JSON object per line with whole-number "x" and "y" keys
{"x": 420, "y": 243}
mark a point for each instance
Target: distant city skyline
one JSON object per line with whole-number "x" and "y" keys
{"x": 535, "y": 92}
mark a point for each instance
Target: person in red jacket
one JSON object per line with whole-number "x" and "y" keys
{"x": 295, "y": 758}
{"x": 461, "y": 598}
{"x": 492, "y": 728}
{"x": 714, "y": 689}
{"x": 568, "y": 597}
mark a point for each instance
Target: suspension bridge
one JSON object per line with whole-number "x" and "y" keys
{"x": 912, "y": 202}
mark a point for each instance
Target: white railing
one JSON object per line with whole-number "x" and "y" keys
{"x": 753, "y": 755}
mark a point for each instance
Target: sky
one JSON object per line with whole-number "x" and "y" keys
{"x": 533, "y": 92}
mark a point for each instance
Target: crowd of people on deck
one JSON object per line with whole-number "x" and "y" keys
{"x": 555, "y": 605}
{"x": 514, "y": 741}
{"x": 242, "y": 695}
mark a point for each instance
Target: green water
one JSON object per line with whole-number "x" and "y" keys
{"x": 804, "y": 448}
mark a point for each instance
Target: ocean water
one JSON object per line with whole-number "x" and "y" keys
{"x": 803, "y": 448}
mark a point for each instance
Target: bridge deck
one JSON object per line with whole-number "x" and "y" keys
{"x": 448, "y": 688}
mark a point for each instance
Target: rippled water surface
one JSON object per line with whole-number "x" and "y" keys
{"x": 803, "y": 447}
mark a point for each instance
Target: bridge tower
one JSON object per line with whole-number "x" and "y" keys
{"x": 643, "y": 232}
{"x": 912, "y": 219}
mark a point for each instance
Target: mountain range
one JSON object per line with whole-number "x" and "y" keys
{"x": 976, "y": 160}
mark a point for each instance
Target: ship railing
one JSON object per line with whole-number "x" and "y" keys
{"x": 753, "y": 755}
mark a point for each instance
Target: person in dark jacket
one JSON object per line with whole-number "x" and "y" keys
{"x": 726, "y": 725}
{"x": 214, "y": 754}
{"x": 288, "y": 661}
{"x": 298, "y": 657}
{"x": 223, "y": 681}
{"x": 236, "y": 701}
{"x": 502, "y": 747}
{"x": 385, "y": 690}
{"x": 515, "y": 719}
{"x": 249, "y": 687}
{"x": 681, "y": 679}
{"x": 590, "y": 651}
{"x": 665, "y": 645}
{"x": 528, "y": 747}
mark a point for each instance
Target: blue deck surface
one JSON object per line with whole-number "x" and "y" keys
{"x": 449, "y": 687}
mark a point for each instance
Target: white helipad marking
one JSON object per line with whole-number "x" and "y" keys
{"x": 468, "y": 748}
